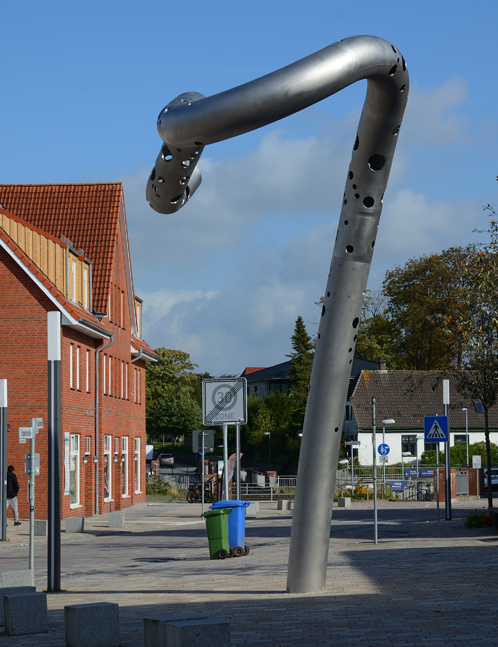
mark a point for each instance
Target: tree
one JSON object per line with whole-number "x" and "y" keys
{"x": 477, "y": 323}
{"x": 421, "y": 296}
{"x": 300, "y": 372}
{"x": 374, "y": 334}
{"x": 171, "y": 386}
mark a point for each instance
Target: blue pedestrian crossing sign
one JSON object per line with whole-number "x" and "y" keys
{"x": 436, "y": 429}
{"x": 383, "y": 449}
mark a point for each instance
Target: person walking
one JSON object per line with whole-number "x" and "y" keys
{"x": 12, "y": 490}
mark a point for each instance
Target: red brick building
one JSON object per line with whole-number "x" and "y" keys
{"x": 65, "y": 248}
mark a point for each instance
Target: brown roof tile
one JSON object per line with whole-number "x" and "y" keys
{"x": 409, "y": 396}
{"x": 86, "y": 214}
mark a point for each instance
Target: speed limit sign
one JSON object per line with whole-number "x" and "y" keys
{"x": 224, "y": 401}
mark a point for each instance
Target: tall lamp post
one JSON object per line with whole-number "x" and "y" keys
{"x": 466, "y": 432}
{"x": 387, "y": 421}
{"x": 268, "y": 433}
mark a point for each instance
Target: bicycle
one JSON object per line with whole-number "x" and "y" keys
{"x": 194, "y": 495}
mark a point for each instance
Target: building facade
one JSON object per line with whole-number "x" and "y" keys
{"x": 65, "y": 249}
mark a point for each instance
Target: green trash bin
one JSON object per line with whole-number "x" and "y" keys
{"x": 217, "y": 531}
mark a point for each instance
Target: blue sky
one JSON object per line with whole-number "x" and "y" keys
{"x": 225, "y": 278}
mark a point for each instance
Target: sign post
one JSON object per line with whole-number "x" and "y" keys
{"x": 3, "y": 459}
{"x": 54, "y": 452}
{"x": 436, "y": 431}
{"x": 224, "y": 402}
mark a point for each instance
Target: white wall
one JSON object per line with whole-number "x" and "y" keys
{"x": 393, "y": 439}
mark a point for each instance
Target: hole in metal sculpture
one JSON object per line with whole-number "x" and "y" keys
{"x": 368, "y": 201}
{"x": 349, "y": 249}
{"x": 356, "y": 143}
{"x": 376, "y": 162}
{"x": 323, "y": 310}
{"x": 177, "y": 199}
{"x": 393, "y": 70}
{"x": 153, "y": 175}
{"x": 356, "y": 321}
{"x": 350, "y": 175}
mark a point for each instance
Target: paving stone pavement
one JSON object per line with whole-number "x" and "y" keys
{"x": 427, "y": 582}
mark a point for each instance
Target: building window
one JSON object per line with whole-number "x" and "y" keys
{"x": 88, "y": 444}
{"x": 74, "y": 470}
{"x": 87, "y": 371}
{"x": 107, "y": 467}
{"x": 136, "y": 460}
{"x": 124, "y": 466}
{"x": 85, "y": 288}
{"x": 409, "y": 444}
{"x": 126, "y": 381}
{"x": 460, "y": 439}
{"x": 122, "y": 380}
{"x": 78, "y": 368}
{"x": 116, "y": 445}
{"x": 73, "y": 279}
{"x": 71, "y": 384}
{"x": 104, "y": 386}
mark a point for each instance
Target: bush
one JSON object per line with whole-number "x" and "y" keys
{"x": 156, "y": 485}
{"x": 479, "y": 519}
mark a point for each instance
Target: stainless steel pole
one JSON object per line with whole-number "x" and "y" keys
{"x": 225, "y": 460}
{"x": 31, "y": 485}
{"x": 192, "y": 121}
{"x": 3, "y": 459}
{"x": 237, "y": 461}
{"x": 447, "y": 455}
{"x": 374, "y": 442}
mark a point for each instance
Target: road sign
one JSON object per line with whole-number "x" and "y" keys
{"x": 37, "y": 423}
{"x": 436, "y": 429}
{"x": 384, "y": 459}
{"x": 36, "y": 464}
{"x": 25, "y": 433}
{"x": 224, "y": 401}
{"x": 208, "y": 440}
{"x": 384, "y": 449}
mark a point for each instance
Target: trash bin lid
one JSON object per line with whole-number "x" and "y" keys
{"x": 229, "y": 504}
{"x": 214, "y": 513}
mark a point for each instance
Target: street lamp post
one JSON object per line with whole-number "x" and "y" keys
{"x": 387, "y": 421}
{"x": 404, "y": 455}
{"x": 268, "y": 433}
{"x": 466, "y": 432}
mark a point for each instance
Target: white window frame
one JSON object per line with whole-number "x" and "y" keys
{"x": 77, "y": 368}
{"x": 85, "y": 287}
{"x": 87, "y": 374}
{"x": 136, "y": 461}
{"x": 108, "y": 464}
{"x": 124, "y": 467}
{"x": 74, "y": 470}
{"x": 71, "y": 384}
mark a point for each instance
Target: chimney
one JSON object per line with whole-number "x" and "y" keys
{"x": 383, "y": 365}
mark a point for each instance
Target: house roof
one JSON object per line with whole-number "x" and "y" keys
{"x": 75, "y": 314}
{"x": 409, "y": 396}
{"x": 282, "y": 371}
{"x": 86, "y": 214}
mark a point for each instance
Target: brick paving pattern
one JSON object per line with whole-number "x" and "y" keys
{"x": 426, "y": 583}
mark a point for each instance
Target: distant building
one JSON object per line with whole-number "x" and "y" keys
{"x": 65, "y": 248}
{"x": 275, "y": 379}
{"x": 407, "y": 397}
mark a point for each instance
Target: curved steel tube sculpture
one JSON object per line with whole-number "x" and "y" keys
{"x": 190, "y": 122}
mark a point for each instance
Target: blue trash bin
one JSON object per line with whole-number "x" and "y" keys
{"x": 236, "y": 525}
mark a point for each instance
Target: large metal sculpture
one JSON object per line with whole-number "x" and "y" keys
{"x": 190, "y": 122}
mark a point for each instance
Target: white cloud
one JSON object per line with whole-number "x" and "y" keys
{"x": 225, "y": 278}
